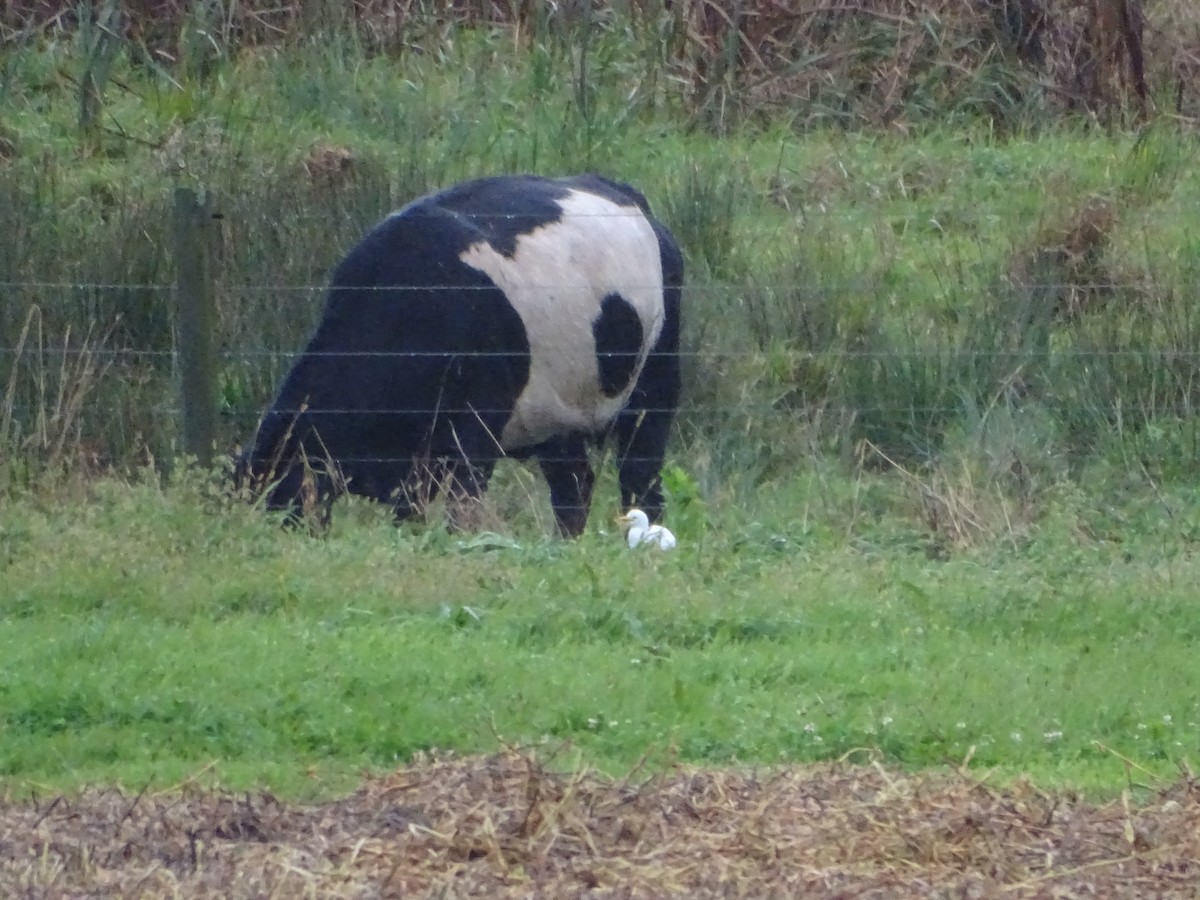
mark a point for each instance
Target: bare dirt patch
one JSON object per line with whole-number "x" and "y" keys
{"x": 506, "y": 826}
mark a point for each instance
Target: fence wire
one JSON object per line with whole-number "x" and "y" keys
{"x": 250, "y": 371}
{"x": 694, "y": 288}
{"x": 830, "y": 354}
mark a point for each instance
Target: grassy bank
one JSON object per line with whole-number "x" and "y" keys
{"x": 843, "y": 285}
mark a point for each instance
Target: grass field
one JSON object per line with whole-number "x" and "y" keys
{"x": 151, "y": 632}
{"x": 933, "y": 478}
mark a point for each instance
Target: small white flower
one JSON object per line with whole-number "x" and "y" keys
{"x": 886, "y": 721}
{"x": 592, "y": 723}
{"x": 1016, "y": 737}
{"x": 810, "y": 728}
{"x": 1053, "y": 735}
{"x": 1167, "y": 719}
{"x": 960, "y": 725}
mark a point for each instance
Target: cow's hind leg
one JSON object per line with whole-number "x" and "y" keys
{"x": 462, "y": 484}
{"x": 569, "y": 473}
{"x": 465, "y": 484}
{"x": 465, "y": 451}
{"x": 642, "y": 431}
{"x": 410, "y": 494}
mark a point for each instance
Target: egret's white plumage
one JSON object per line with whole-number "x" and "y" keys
{"x": 639, "y": 531}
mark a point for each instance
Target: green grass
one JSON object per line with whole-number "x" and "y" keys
{"x": 148, "y": 633}
{"x": 920, "y": 511}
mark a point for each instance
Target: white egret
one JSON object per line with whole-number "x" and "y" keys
{"x": 639, "y": 531}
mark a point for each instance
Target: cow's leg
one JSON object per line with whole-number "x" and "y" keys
{"x": 643, "y": 427}
{"x": 642, "y": 430}
{"x": 392, "y": 483}
{"x": 465, "y": 484}
{"x": 467, "y": 451}
{"x": 409, "y": 500}
{"x": 568, "y": 471}
{"x": 462, "y": 487}
{"x": 304, "y": 494}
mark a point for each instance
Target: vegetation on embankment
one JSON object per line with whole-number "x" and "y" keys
{"x": 896, "y": 284}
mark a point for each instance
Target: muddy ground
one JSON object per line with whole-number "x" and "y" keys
{"x": 507, "y": 826}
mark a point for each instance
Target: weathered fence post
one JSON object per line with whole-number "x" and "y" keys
{"x": 195, "y": 324}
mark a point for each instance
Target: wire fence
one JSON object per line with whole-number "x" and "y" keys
{"x": 252, "y": 354}
{"x": 195, "y": 365}
{"x": 247, "y": 379}
{"x": 134, "y": 353}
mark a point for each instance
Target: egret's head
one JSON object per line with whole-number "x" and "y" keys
{"x": 635, "y": 518}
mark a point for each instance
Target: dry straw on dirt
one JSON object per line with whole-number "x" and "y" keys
{"x": 506, "y": 826}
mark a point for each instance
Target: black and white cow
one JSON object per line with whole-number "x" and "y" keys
{"x": 515, "y": 316}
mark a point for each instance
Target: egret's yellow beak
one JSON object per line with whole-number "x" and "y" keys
{"x": 622, "y": 520}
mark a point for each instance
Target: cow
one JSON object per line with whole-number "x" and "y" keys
{"x": 513, "y": 316}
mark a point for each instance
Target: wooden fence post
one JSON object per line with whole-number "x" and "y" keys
{"x": 195, "y": 324}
